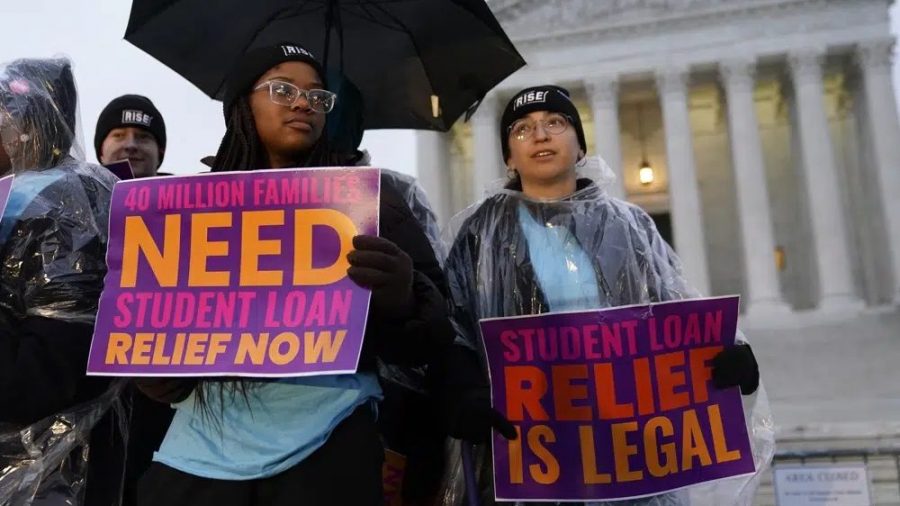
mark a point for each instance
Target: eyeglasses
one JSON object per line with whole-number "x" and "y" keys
{"x": 286, "y": 94}
{"x": 524, "y": 129}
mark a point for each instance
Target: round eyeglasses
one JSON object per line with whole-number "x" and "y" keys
{"x": 286, "y": 94}
{"x": 524, "y": 129}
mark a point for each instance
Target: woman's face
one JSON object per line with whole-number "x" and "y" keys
{"x": 543, "y": 148}
{"x": 287, "y": 131}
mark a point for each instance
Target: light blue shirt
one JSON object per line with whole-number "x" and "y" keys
{"x": 563, "y": 269}
{"x": 277, "y": 426}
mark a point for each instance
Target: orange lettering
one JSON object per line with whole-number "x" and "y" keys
{"x": 117, "y": 348}
{"x": 622, "y": 452}
{"x": 701, "y": 372}
{"x": 537, "y": 435}
{"x": 519, "y": 398}
{"x": 217, "y": 346}
{"x": 143, "y": 345}
{"x": 652, "y": 447}
{"x": 279, "y": 357}
{"x": 305, "y": 221}
{"x": 644, "y": 386}
{"x": 668, "y": 380}
{"x": 202, "y": 248}
{"x": 564, "y": 393}
{"x": 252, "y": 247}
{"x": 516, "y": 469}
{"x": 606, "y": 394}
{"x": 196, "y": 347}
{"x": 720, "y": 446}
{"x": 589, "y": 458}
{"x": 253, "y": 348}
{"x": 163, "y": 262}
{"x": 693, "y": 444}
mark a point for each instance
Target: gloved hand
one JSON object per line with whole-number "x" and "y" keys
{"x": 736, "y": 366}
{"x": 381, "y": 266}
{"x": 166, "y": 390}
{"x": 470, "y": 417}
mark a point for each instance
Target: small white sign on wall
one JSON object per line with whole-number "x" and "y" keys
{"x": 822, "y": 485}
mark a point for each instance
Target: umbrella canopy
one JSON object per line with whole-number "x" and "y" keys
{"x": 417, "y": 63}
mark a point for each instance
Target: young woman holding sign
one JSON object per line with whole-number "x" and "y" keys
{"x": 311, "y": 440}
{"x": 553, "y": 240}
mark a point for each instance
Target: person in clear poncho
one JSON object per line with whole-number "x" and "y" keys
{"x": 53, "y": 237}
{"x": 553, "y": 240}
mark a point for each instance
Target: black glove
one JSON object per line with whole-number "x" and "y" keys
{"x": 471, "y": 418}
{"x": 166, "y": 390}
{"x": 736, "y": 366}
{"x": 381, "y": 266}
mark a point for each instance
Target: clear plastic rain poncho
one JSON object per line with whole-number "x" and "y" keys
{"x": 413, "y": 378}
{"x": 491, "y": 274}
{"x": 53, "y": 237}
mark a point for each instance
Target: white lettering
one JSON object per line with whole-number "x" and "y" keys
{"x": 136, "y": 117}
{"x": 532, "y": 97}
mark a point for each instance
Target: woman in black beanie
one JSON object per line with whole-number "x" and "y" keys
{"x": 553, "y": 240}
{"x": 310, "y": 440}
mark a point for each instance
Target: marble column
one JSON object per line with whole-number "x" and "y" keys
{"x": 763, "y": 292}
{"x": 820, "y": 175}
{"x": 603, "y": 93}
{"x": 874, "y": 58}
{"x": 686, "y": 208}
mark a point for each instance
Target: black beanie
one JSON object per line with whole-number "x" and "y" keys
{"x": 539, "y": 98}
{"x": 257, "y": 62}
{"x": 131, "y": 111}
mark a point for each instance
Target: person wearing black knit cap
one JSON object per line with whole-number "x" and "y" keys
{"x": 131, "y": 127}
{"x": 310, "y": 440}
{"x": 553, "y": 240}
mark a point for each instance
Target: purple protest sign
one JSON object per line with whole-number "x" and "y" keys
{"x": 239, "y": 273}
{"x": 122, "y": 169}
{"x": 5, "y": 189}
{"x": 615, "y": 404}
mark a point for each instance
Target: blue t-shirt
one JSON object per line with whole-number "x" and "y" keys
{"x": 277, "y": 426}
{"x": 566, "y": 275}
{"x": 563, "y": 269}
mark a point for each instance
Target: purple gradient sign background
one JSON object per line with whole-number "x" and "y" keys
{"x": 354, "y": 192}
{"x": 567, "y": 448}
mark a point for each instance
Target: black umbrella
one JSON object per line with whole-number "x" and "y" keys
{"x": 418, "y": 63}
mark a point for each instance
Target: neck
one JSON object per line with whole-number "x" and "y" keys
{"x": 550, "y": 190}
{"x": 277, "y": 161}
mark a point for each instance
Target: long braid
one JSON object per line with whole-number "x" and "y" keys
{"x": 241, "y": 149}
